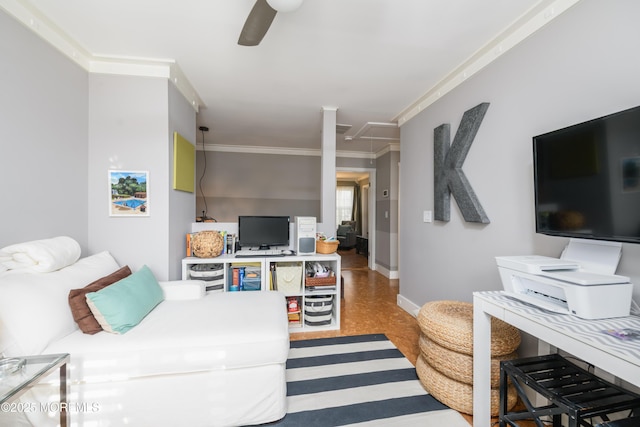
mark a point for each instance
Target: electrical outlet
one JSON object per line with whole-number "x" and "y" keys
{"x": 427, "y": 216}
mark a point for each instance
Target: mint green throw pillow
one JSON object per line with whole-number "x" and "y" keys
{"x": 122, "y": 305}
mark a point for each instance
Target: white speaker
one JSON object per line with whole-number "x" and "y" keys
{"x": 305, "y": 243}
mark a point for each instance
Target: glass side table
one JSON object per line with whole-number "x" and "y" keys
{"x": 19, "y": 374}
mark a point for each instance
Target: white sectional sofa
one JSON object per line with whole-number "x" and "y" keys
{"x": 193, "y": 360}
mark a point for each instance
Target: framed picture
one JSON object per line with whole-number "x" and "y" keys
{"x": 128, "y": 193}
{"x": 184, "y": 162}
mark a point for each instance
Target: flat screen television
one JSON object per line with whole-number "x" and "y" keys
{"x": 263, "y": 232}
{"x": 587, "y": 179}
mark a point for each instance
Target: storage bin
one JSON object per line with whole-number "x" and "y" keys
{"x": 318, "y": 303}
{"x": 320, "y": 281}
{"x": 206, "y": 271}
{"x": 317, "y": 320}
{"x": 244, "y": 277}
{"x": 215, "y": 285}
{"x": 318, "y": 310}
{"x": 249, "y": 284}
{"x": 289, "y": 278}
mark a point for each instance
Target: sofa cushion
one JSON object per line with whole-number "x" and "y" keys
{"x": 180, "y": 290}
{"x": 121, "y": 306}
{"x": 34, "y": 309}
{"x": 78, "y": 302}
{"x": 344, "y": 229}
{"x": 228, "y": 330}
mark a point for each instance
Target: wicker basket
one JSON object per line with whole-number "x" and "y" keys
{"x": 450, "y": 324}
{"x": 326, "y": 246}
{"x": 207, "y": 244}
{"x": 457, "y": 395}
{"x": 458, "y": 366}
{"x": 320, "y": 281}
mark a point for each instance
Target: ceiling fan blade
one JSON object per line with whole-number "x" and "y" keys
{"x": 257, "y": 24}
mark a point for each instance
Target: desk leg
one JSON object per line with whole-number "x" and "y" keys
{"x": 64, "y": 415}
{"x": 481, "y": 366}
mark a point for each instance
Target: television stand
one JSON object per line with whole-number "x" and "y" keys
{"x": 286, "y": 274}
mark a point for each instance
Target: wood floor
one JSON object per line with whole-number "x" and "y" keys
{"x": 369, "y": 306}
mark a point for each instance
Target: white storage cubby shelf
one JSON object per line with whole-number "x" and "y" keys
{"x": 317, "y": 300}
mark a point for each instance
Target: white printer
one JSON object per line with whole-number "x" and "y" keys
{"x": 564, "y": 285}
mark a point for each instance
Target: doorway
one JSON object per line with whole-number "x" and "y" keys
{"x": 366, "y": 178}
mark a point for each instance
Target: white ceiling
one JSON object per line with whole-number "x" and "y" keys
{"x": 372, "y": 59}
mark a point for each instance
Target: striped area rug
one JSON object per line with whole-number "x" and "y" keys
{"x": 358, "y": 381}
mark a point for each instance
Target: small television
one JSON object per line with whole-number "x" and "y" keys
{"x": 587, "y": 179}
{"x": 263, "y": 232}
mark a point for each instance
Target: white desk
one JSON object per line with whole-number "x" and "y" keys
{"x": 579, "y": 337}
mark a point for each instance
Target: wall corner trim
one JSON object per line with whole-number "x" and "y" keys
{"x": 531, "y": 21}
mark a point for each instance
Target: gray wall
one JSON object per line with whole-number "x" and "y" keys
{"x": 129, "y": 124}
{"x": 257, "y": 184}
{"x": 182, "y": 204}
{"x": 43, "y": 117}
{"x": 64, "y": 129}
{"x": 580, "y": 66}
{"x": 387, "y": 211}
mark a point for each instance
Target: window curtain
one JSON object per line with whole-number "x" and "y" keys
{"x": 356, "y": 210}
{"x": 344, "y": 203}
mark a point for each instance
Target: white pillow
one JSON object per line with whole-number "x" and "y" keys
{"x": 41, "y": 255}
{"x": 34, "y": 307}
{"x": 180, "y": 290}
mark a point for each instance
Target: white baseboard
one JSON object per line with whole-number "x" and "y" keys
{"x": 389, "y": 274}
{"x": 408, "y": 306}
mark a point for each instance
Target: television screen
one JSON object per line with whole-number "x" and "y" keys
{"x": 587, "y": 179}
{"x": 263, "y": 231}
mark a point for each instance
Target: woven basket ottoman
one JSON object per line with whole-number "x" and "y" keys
{"x": 445, "y": 364}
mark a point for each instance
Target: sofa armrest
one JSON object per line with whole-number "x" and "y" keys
{"x": 177, "y": 290}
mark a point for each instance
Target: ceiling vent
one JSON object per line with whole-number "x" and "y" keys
{"x": 340, "y": 129}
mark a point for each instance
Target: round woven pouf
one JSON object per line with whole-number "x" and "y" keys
{"x": 450, "y": 325}
{"x": 458, "y": 366}
{"x": 455, "y": 394}
{"x": 207, "y": 244}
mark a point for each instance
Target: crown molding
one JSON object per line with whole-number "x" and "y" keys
{"x": 37, "y": 22}
{"x": 283, "y": 151}
{"x": 531, "y": 21}
{"x": 253, "y": 149}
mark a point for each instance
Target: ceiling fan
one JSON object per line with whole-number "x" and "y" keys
{"x": 261, "y": 17}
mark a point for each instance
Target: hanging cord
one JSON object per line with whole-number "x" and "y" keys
{"x": 204, "y": 129}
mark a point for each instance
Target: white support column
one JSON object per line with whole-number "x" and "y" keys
{"x": 328, "y": 171}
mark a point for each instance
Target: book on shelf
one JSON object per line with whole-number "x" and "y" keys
{"x": 295, "y": 319}
{"x": 272, "y": 276}
{"x": 230, "y": 243}
{"x": 189, "y": 250}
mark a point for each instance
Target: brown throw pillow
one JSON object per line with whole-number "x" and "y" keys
{"x": 78, "y": 302}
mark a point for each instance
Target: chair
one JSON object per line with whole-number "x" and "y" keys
{"x": 346, "y": 235}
